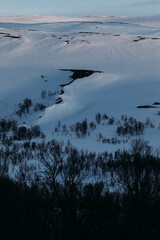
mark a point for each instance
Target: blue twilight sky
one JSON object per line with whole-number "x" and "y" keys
{"x": 79, "y": 7}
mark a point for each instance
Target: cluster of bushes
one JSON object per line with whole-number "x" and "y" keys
{"x": 81, "y": 129}
{"x": 48, "y": 94}
{"x": 10, "y": 131}
{"x": 113, "y": 140}
{"x": 7, "y": 125}
{"x": 126, "y": 126}
{"x": 130, "y": 126}
{"x": 67, "y": 202}
{"x": 25, "y": 107}
{"x": 100, "y": 117}
{"x": 25, "y": 133}
{"x": 39, "y": 107}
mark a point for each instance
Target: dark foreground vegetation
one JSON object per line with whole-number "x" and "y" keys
{"x": 67, "y": 202}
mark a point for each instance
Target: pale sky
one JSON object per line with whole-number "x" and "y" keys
{"x": 79, "y": 7}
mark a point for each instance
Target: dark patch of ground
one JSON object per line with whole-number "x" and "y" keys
{"x": 90, "y": 33}
{"x": 139, "y": 39}
{"x": 59, "y": 100}
{"x": 118, "y": 22}
{"x": 156, "y": 103}
{"x": 94, "y": 22}
{"x": 78, "y": 73}
{"x": 67, "y": 41}
{"x": 99, "y": 33}
{"x": 146, "y": 106}
{"x": 155, "y": 38}
{"x": 32, "y": 30}
{"x": 11, "y": 36}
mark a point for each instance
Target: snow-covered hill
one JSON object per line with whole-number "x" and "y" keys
{"x": 124, "y": 52}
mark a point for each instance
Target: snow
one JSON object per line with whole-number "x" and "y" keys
{"x": 130, "y": 70}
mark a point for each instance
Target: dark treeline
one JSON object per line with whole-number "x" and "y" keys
{"x": 70, "y": 200}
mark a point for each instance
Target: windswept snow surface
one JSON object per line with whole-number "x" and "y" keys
{"x": 33, "y": 49}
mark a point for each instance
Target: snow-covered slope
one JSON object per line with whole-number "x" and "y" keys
{"x": 125, "y": 51}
